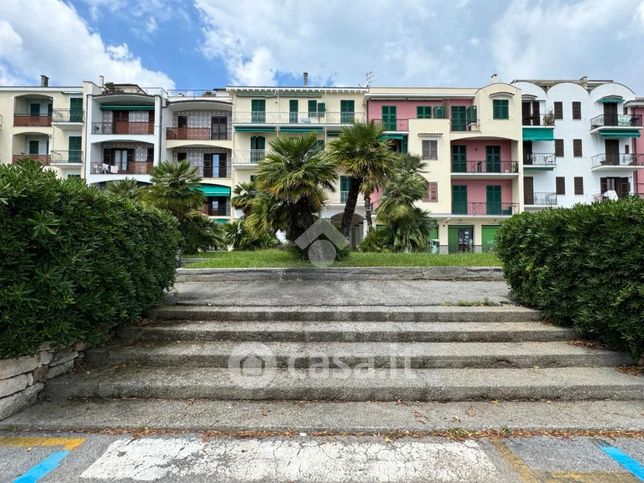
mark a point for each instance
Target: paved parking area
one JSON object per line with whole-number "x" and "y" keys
{"x": 199, "y": 458}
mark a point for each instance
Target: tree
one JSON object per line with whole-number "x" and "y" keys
{"x": 127, "y": 188}
{"x": 244, "y": 193}
{"x": 363, "y": 154}
{"x": 292, "y": 180}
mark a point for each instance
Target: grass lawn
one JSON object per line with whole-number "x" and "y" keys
{"x": 285, "y": 259}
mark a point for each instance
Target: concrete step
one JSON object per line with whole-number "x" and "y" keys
{"x": 422, "y": 355}
{"x": 570, "y": 383}
{"x": 325, "y": 416}
{"x": 372, "y": 313}
{"x": 293, "y": 331}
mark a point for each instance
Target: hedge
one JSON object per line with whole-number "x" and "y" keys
{"x": 583, "y": 267}
{"x": 75, "y": 262}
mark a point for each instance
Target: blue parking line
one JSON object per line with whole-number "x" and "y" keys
{"x": 43, "y": 468}
{"x": 632, "y": 465}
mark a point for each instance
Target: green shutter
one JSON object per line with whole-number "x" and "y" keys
{"x": 74, "y": 145}
{"x": 76, "y": 109}
{"x": 439, "y": 112}
{"x": 458, "y": 118}
{"x": 500, "y": 109}
{"x": 313, "y": 108}
{"x": 347, "y": 112}
{"x": 293, "y": 107}
{"x": 321, "y": 108}
{"x": 459, "y": 158}
{"x": 492, "y": 159}
{"x": 389, "y": 118}
{"x": 471, "y": 114}
{"x": 258, "y": 110}
{"x": 459, "y": 199}
{"x": 493, "y": 199}
{"x": 423, "y": 112}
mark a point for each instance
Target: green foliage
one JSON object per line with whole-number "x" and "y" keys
{"x": 241, "y": 238}
{"x": 128, "y": 188}
{"x": 582, "y": 267}
{"x": 244, "y": 194}
{"x": 376, "y": 241}
{"x": 75, "y": 262}
{"x": 200, "y": 233}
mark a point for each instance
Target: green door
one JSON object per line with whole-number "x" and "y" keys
{"x": 347, "y": 112}
{"x": 34, "y": 147}
{"x": 76, "y": 109}
{"x": 459, "y": 199}
{"x": 293, "y": 106}
{"x": 257, "y": 147}
{"x": 74, "y": 144}
{"x": 459, "y": 158}
{"x": 492, "y": 159}
{"x": 488, "y": 235}
{"x": 459, "y": 122}
{"x": 389, "y": 118}
{"x": 258, "y": 110}
{"x": 460, "y": 238}
{"x": 493, "y": 199}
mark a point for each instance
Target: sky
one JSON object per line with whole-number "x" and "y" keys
{"x": 204, "y": 44}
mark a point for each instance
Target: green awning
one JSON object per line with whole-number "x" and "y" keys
{"x": 538, "y": 133}
{"x": 611, "y": 100}
{"x": 118, "y": 107}
{"x": 399, "y": 137}
{"x": 302, "y": 129}
{"x": 221, "y": 221}
{"x": 254, "y": 129}
{"x": 214, "y": 190}
{"x": 616, "y": 134}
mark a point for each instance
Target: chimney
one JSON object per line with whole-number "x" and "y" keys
{"x": 494, "y": 79}
{"x": 101, "y": 80}
{"x": 306, "y": 79}
{"x": 44, "y": 81}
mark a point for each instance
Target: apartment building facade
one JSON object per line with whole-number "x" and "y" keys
{"x": 43, "y": 123}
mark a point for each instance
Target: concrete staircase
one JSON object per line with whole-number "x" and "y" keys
{"x": 346, "y": 362}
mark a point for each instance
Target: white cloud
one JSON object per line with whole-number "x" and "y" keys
{"x": 54, "y": 40}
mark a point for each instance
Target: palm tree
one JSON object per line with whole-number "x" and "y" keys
{"x": 292, "y": 180}
{"x": 244, "y": 193}
{"x": 367, "y": 158}
{"x": 175, "y": 188}
{"x": 127, "y": 188}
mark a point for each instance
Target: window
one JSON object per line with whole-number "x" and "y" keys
{"x": 345, "y": 186}
{"x": 626, "y": 149}
{"x": 559, "y": 148}
{"x": 430, "y": 149}
{"x": 561, "y": 185}
{"x": 579, "y": 185}
{"x": 423, "y": 112}
{"x": 389, "y": 117}
{"x": 347, "y": 112}
{"x": 432, "y": 192}
{"x": 316, "y": 109}
{"x": 576, "y": 110}
{"x": 558, "y": 110}
{"x": 293, "y": 108}
{"x": 439, "y": 112}
{"x": 500, "y": 109}
{"x": 576, "y": 148}
{"x": 258, "y": 110}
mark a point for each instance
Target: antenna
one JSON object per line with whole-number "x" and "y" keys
{"x": 369, "y": 77}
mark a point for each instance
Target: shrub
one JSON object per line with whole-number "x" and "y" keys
{"x": 200, "y": 233}
{"x": 582, "y": 267}
{"x": 377, "y": 240}
{"x": 74, "y": 261}
{"x": 241, "y": 238}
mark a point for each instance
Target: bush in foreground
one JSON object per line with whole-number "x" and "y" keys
{"x": 75, "y": 262}
{"x": 582, "y": 267}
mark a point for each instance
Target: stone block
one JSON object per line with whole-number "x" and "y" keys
{"x": 63, "y": 357}
{"x": 14, "y": 384}
{"x": 14, "y": 403}
{"x": 60, "y": 369}
{"x": 40, "y": 374}
{"x": 20, "y": 365}
{"x": 45, "y": 357}
{"x": 79, "y": 346}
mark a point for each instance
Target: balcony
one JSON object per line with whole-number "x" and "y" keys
{"x": 65, "y": 116}
{"x": 43, "y": 158}
{"x": 261, "y": 117}
{"x": 222, "y": 209}
{"x": 485, "y": 167}
{"x": 484, "y": 209}
{"x": 544, "y": 120}
{"x": 197, "y": 133}
{"x": 135, "y": 167}
{"x": 616, "y": 120}
{"x": 393, "y": 124}
{"x": 607, "y": 161}
{"x": 250, "y": 157}
{"x": 30, "y": 120}
{"x": 538, "y": 127}
{"x": 66, "y": 157}
{"x": 603, "y": 196}
{"x": 540, "y": 199}
{"x": 540, "y": 161}
{"x": 213, "y": 171}
{"x": 123, "y": 127}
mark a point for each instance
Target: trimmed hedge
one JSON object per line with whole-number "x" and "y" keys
{"x": 583, "y": 267}
{"x": 75, "y": 262}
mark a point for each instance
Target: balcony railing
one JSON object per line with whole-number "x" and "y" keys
{"x": 135, "y": 167}
{"x": 485, "y": 167}
{"x": 547, "y": 120}
{"x": 603, "y": 197}
{"x": 393, "y": 124}
{"x": 73, "y": 156}
{"x": 607, "y": 159}
{"x": 483, "y": 208}
{"x": 540, "y": 199}
{"x": 539, "y": 159}
{"x": 213, "y": 171}
{"x": 261, "y": 117}
{"x": 65, "y": 115}
{"x": 123, "y": 127}
{"x": 252, "y": 156}
{"x": 218, "y": 211}
{"x": 29, "y": 120}
{"x": 43, "y": 158}
{"x": 616, "y": 120}
{"x": 197, "y": 133}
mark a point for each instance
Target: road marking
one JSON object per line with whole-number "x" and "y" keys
{"x": 43, "y": 468}
{"x": 515, "y": 462}
{"x": 30, "y": 441}
{"x": 594, "y": 477}
{"x": 631, "y": 464}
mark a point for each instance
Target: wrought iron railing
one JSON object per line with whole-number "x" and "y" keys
{"x": 251, "y": 156}
{"x": 547, "y": 119}
{"x": 393, "y": 124}
{"x": 71, "y": 156}
{"x": 66, "y": 115}
{"x": 313, "y": 117}
{"x": 622, "y": 159}
{"x": 484, "y": 208}
{"x": 540, "y": 199}
{"x": 539, "y": 159}
{"x": 198, "y": 133}
{"x": 616, "y": 120}
{"x": 485, "y": 167}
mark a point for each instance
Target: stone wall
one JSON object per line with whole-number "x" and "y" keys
{"x": 21, "y": 379}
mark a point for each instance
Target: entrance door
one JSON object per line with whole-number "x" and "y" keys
{"x": 493, "y": 199}
{"x": 528, "y": 190}
{"x": 610, "y": 114}
{"x": 459, "y": 122}
{"x": 389, "y": 118}
{"x": 527, "y": 152}
{"x": 76, "y": 109}
{"x": 612, "y": 151}
{"x": 459, "y": 158}
{"x": 459, "y": 199}
{"x": 492, "y": 159}
{"x": 460, "y": 238}
{"x": 488, "y": 237}
{"x": 218, "y": 127}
